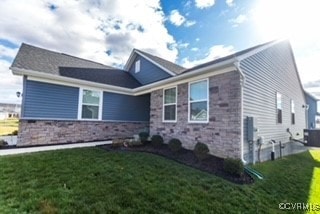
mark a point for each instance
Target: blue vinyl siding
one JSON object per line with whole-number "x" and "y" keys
{"x": 44, "y": 100}
{"x": 148, "y": 72}
{"x": 312, "y": 111}
{"x": 125, "y": 108}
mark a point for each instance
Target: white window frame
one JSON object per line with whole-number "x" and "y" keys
{"x": 281, "y": 108}
{"x": 80, "y": 104}
{"x": 292, "y": 111}
{"x": 169, "y": 104}
{"x": 137, "y": 66}
{"x": 189, "y": 102}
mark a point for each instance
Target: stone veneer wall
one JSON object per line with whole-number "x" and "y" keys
{"x": 222, "y": 134}
{"x": 37, "y": 132}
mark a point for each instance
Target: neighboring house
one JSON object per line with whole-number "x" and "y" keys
{"x": 313, "y": 111}
{"x": 8, "y": 110}
{"x": 68, "y": 99}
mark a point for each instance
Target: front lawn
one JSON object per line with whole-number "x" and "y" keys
{"x": 91, "y": 180}
{"x": 8, "y": 126}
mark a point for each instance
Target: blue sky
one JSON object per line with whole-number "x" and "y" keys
{"x": 187, "y": 32}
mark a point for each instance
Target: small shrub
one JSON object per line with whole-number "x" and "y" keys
{"x": 156, "y": 140}
{"x": 15, "y": 132}
{"x": 174, "y": 145}
{"x": 132, "y": 143}
{"x": 233, "y": 166}
{"x": 3, "y": 143}
{"x": 201, "y": 150}
{"x": 143, "y": 137}
{"x": 116, "y": 143}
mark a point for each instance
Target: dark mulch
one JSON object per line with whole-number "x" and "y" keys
{"x": 212, "y": 164}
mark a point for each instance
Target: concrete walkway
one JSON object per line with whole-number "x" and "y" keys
{"x": 48, "y": 148}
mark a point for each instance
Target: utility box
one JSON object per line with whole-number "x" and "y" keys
{"x": 252, "y": 130}
{"x": 312, "y": 137}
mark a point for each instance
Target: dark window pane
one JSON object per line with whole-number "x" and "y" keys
{"x": 279, "y": 115}
{"x": 293, "y": 118}
{"x": 90, "y": 112}
{"x": 170, "y": 112}
{"x": 199, "y": 90}
{"x": 90, "y": 97}
{"x": 198, "y": 111}
{"x": 170, "y": 96}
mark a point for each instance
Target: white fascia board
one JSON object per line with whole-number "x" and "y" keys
{"x": 129, "y": 61}
{"x": 67, "y": 81}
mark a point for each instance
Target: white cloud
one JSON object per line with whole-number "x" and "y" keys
{"x": 176, "y": 18}
{"x": 7, "y": 52}
{"x": 214, "y": 52}
{"x": 296, "y": 21}
{"x": 204, "y": 3}
{"x": 182, "y": 44}
{"x": 9, "y": 84}
{"x": 190, "y": 23}
{"x": 230, "y": 3}
{"x": 195, "y": 49}
{"x": 238, "y": 20}
{"x": 88, "y": 29}
{"x": 307, "y": 64}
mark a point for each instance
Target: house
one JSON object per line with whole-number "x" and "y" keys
{"x": 313, "y": 111}
{"x": 8, "y": 110}
{"x": 68, "y": 99}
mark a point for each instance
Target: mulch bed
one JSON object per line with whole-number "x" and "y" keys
{"x": 212, "y": 164}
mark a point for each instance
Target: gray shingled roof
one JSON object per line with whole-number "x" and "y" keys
{"x": 177, "y": 69}
{"x": 42, "y": 60}
{"x": 106, "y": 76}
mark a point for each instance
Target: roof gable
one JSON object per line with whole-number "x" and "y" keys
{"x": 169, "y": 67}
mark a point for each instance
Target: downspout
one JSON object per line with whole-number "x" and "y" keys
{"x": 242, "y": 80}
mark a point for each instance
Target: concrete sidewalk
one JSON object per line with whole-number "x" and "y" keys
{"x": 48, "y": 148}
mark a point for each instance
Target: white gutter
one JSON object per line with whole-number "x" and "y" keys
{"x": 242, "y": 81}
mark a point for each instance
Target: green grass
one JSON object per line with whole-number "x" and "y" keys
{"x": 8, "y": 126}
{"x": 91, "y": 180}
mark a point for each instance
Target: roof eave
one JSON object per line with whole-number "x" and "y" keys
{"x": 52, "y": 77}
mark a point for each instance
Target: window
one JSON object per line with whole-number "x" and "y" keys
{"x": 137, "y": 66}
{"x": 198, "y": 101}
{"x": 90, "y": 104}
{"x": 279, "y": 108}
{"x": 170, "y": 105}
{"x": 292, "y": 113}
